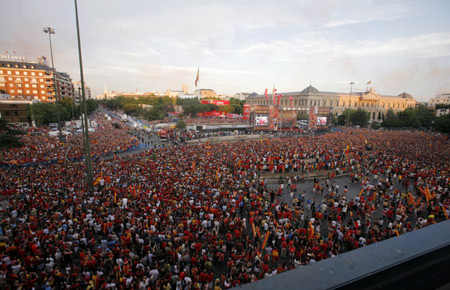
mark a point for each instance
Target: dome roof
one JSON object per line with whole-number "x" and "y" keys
{"x": 405, "y": 95}
{"x": 310, "y": 90}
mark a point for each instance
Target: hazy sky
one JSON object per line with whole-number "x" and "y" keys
{"x": 239, "y": 45}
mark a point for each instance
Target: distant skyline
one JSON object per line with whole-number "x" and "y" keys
{"x": 240, "y": 46}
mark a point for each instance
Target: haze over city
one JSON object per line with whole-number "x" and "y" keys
{"x": 240, "y": 46}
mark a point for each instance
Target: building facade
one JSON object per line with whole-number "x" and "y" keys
{"x": 301, "y": 102}
{"x": 205, "y": 93}
{"x": 443, "y": 99}
{"x": 77, "y": 96}
{"x": 33, "y": 81}
{"x": 15, "y": 112}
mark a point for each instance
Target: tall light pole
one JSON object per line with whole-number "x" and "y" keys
{"x": 51, "y": 31}
{"x": 350, "y": 105}
{"x": 90, "y": 175}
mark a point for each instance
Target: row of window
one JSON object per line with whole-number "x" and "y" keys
{"x": 25, "y": 73}
{"x": 16, "y": 65}
{"x": 26, "y": 91}
{"x": 26, "y": 85}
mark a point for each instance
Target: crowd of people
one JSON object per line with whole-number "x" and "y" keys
{"x": 40, "y": 147}
{"x": 204, "y": 216}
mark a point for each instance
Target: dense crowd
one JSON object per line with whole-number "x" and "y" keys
{"x": 205, "y": 217}
{"x": 39, "y": 146}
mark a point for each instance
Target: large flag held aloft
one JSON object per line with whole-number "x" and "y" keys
{"x": 197, "y": 78}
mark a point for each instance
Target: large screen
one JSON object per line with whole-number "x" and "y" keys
{"x": 321, "y": 121}
{"x": 261, "y": 120}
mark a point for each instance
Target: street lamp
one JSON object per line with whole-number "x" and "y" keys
{"x": 51, "y": 31}
{"x": 90, "y": 175}
{"x": 350, "y": 105}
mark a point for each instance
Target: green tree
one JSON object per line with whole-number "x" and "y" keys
{"x": 359, "y": 117}
{"x": 426, "y": 116}
{"x": 44, "y": 113}
{"x": 375, "y": 125}
{"x": 130, "y": 108}
{"x": 391, "y": 120}
{"x": 408, "y": 118}
{"x": 8, "y": 137}
{"x": 442, "y": 124}
{"x": 226, "y": 108}
{"x": 341, "y": 120}
{"x": 181, "y": 124}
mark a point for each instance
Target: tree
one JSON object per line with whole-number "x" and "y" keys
{"x": 408, "y": 118}
{"x": 9, "y": 137}
{"x": 341, "y": 120}
{"x": 442, "y": 124}
{"x": 130, "y": 108}
{"x": 391, "y": 120}
{"x": 375, "y": 125}
{"x": 44, "y": 113}
{"x": 181, "y": 124}
{"x": 226, "y": 108}
{"x": 359, "y": 117}
{"x": 426, "y": 116}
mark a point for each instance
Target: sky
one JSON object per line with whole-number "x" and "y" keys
{"x": 240, "y": 45}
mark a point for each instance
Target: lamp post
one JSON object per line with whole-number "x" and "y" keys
{"x": 51, "y": 31}
{"x": 90, "y": 175}
{"x": 350, "y": 105}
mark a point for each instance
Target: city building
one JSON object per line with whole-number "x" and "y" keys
{"x": 240, "y": 96}
{"x": 370, "y": 101}
{"x": 15, "y": 112}
{"x": 185, "y": 88}
{"x": 174, "y": 93}
{"x": 205, "y": 93}
{"x": 442, "y": 99}
{"x": 78, "y": 95}
{"x": 29, "y": 81}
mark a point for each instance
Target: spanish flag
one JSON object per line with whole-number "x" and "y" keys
{"x": 198, "y": 77}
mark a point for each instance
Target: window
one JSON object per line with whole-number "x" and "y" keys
{"x": 34, "y": 86}
{"x": 28, "y": 91}
{"x": 27, "y": 85}
{"x": 19, "y": 91}
{"x": 9, "y": 72}
{"x": 16, "y": 113}
{"x": 17, "y": 72}
{"x": 35, "y": 92}
{"x": 41, "y": 80}
{"x": 33, "y": 73}
{"x": 41, "y": 74}
{"x": 26, "y": 79}
{"x": 12, "y": 91}
{"x": 25, "y": 73}
{"x": 42, "y": 92}
{"x": 10, "y": 79}
{"x": 11, "y": 85}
